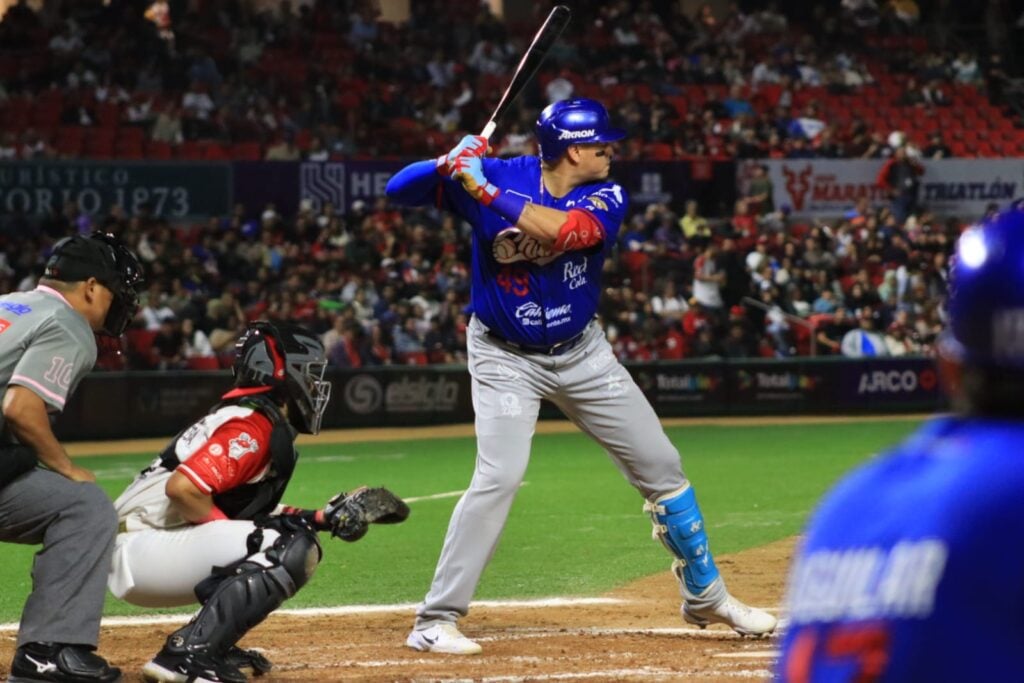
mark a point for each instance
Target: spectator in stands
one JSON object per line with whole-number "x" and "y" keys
{"x": 996, "y": 79}
{"x": 168, "y": 127}
{"x": 667, "y": 304}
{"x": 704, "y": 346}
{"x": 695, "y": 227}
{"x": 759, "y": 257}
{"x": 934, "y": 93}
{"x": 66, "y": 44}
{"x": 8, "y": 146}
{"x": 225, "y": 333}
{"x": 899, "y": 176}
{"x": 441, "y": 70}
{"x": 407, "y": 339}
{"x": 284, "y": 149}
{"x": 831, "y": 334}
{"x": 560, "y": 87}
{"x": 825, "y": 303}
{"x": 936, "y": 149}
{"x": 346, "y": 351}
{"x": 760, "y": 192}
{"x": 965, "y": 68}
{"x": 736, "y": 105}
{"x": 517, "y": 142}
{"x": 864, "y": 341}
{"x": 708, "y": 280}
{"x": 197, "y": 109}
{"x": 154, "y": 307}
{"x": 169, "y": 343}
{"x": 195, "y": 342}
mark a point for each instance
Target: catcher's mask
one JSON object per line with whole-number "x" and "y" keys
{"x": 106, "y": 258}
{"x": 291, "y": 361}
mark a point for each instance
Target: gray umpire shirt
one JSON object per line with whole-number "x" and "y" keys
{"x": 46, "y": 346}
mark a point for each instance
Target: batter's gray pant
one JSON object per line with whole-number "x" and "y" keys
{"x": 594, "y": 391}
{"x": 76, "y": 524}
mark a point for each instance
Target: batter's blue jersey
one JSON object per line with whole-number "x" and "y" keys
{"x": 521, "y": 290}
{"x": 912, "y": 568}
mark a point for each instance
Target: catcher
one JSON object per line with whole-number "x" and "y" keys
{"x": 204, "y": 522}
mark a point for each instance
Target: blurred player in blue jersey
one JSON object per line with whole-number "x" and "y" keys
{"x": 912, "y": 568}
{"x": 542, "y": 228}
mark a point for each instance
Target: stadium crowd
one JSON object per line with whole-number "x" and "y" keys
{"x": 328, "y": 79}
{"x": 384, "y": 285}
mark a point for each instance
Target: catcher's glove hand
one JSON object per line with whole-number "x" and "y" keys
{"x": 348, "y": 515}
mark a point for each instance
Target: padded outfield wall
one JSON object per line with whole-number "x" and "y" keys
{"x": 117, "y": 405}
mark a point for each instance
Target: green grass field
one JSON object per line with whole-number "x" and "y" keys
{"x": 576, "y": 527}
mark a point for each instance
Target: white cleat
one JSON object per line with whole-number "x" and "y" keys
{"x": 444, "y": 639}
{"x": 745, "y": 620}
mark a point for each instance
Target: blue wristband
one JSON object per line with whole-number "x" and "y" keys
{"x": 509, "y": 206}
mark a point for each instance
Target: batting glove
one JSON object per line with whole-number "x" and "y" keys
{"x": 469, "y": 146}
{"x": 469, "y": 171}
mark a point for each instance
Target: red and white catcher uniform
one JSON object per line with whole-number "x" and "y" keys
{"x": 159, "y": 558}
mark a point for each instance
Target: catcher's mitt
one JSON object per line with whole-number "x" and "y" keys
{"x": 348, "y": 515}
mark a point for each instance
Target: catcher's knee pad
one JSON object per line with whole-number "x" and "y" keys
{"x": 293, "y": 557}
{"x": 237, "y": 597}
{"x": 679, "y": 525}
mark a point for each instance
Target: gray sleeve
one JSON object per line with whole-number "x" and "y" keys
{"x": 55, "y": 362}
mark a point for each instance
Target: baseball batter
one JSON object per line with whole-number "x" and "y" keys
{"x": 204, "y": 522}
{"x": 542, "y": 228}
{"x": 46, "y": 347}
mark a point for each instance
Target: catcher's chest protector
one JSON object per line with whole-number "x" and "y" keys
{"x": 250, "y": 500}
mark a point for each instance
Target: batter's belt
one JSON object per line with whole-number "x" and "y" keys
{"x": 553, "y": 350}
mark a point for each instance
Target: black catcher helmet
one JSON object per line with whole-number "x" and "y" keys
{"x": 106, "y": 258}
{"x": 291, "y": 361}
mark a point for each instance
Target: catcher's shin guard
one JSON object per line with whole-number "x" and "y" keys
{"x": 679, "y": 525}
{"x": 238, "y": 597}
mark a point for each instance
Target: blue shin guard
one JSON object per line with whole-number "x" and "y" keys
{"x": 679, "y": 525}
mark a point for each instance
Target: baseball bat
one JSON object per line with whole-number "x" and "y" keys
{"x": 546, "y": 36}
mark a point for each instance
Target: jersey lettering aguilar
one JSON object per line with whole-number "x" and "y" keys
{"x": 896, "y": 574}
{"x": 521, "y": 290}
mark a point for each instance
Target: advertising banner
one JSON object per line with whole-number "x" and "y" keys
{"x": 397, "y": 396}
{"x": 767, "y": 386}
{"x": 172, "y": 190}
{"x": 343, "y": 183}
{"x": 681, "y": 389}
{"x": 159, "y": 404}
{"x": 122, "y": 405}
{"x": 829, "y": 187}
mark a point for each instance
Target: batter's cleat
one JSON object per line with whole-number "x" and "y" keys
{"x": 190, "y": 667}
{"x": 251, "y": 661}
{"x": 745, "y": 620}
{"x": 60, "y": 663}
{"x": 442, "y": 638}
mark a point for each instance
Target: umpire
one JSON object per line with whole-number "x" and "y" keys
{"x": 46, "y": 347}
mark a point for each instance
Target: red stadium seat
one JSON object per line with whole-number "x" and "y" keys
{"x": 246, "y": 151}
{"x": 203, "y": 363}
{"x": 158, "y": 150}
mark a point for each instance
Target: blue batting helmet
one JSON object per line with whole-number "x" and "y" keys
{"x": 573, "y": 122}
{"x": 986, "y": 293}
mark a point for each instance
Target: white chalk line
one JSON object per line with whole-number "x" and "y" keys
{"x": 692, "y": 631}
{"x": 121, "y": 471}
{"x": 753, "y": 654}
{"x": 345, "y": 610}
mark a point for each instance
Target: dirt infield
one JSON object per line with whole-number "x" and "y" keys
{"x": 641, "y": 638}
